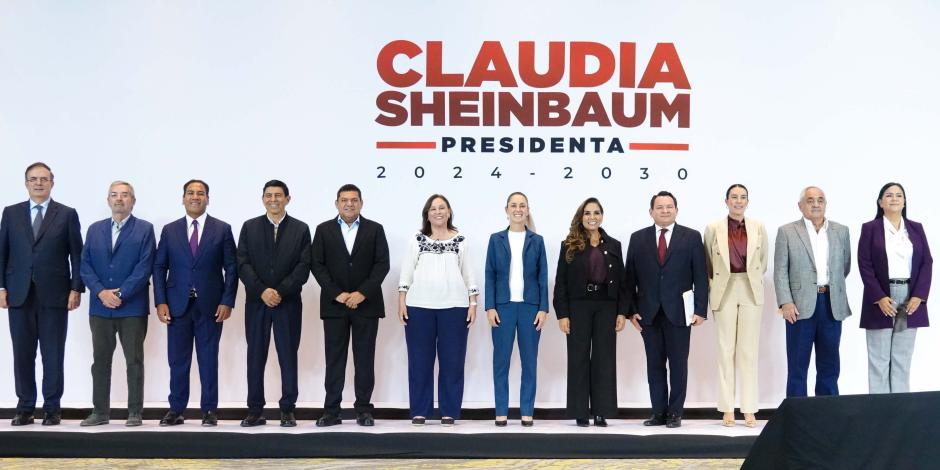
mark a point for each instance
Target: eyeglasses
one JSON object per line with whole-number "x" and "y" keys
{"x": 40, "y": 179}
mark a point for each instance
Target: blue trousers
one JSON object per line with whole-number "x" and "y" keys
{"x": 515, "y": 316}
{"x": 823, "y": 331}
{"x": 285, "y": 321}
{"x": 440, "y": 333}
{"x": 201, "y": 327}
{"x": 30, "y": 324}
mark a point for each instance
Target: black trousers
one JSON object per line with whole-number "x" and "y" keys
{"x": 592, "y": 359}
{"x": 336, "y": 334}
{"x": 664, "y": 342}
{"x": 32, "y": 324}
{"x": 285, "y": 321}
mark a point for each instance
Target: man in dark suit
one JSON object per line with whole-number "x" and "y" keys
{"x": 663, "y": 263}
{"x": 116, "y": 264}
{"x": 349, "y": 258}
{"x": 194, "y": 287}
{"x": 273, "y": 263}
{"x": 40, "y": 253}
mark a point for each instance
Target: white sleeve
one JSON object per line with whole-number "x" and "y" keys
{"x": 466, "y": 269}
{"x": 408, "y": 264}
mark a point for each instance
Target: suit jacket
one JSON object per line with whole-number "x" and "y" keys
{"x": 656, "y": 287}
{"x": 795, "y": 269}
{"x": 534, "y": 270}
{"x": 283, "y": 265}
{"x": 127, "y": 267}
{"x": 50, "y": 261}
{"x": 337, "y": 270}
{"x": 212, "y": 272}
{"x": 718, "y": 259}
{"x": 571, "y": 279}
{"x": 873, "y": 266}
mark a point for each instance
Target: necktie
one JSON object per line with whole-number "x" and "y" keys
{"x": 37, "y": 222}
{"x": 661, "y": 248}
{"x": 194, "y": 238}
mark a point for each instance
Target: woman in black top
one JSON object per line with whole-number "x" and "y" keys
{"x": 591, "y": 307}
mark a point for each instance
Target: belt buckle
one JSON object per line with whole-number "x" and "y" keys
{"x": 822, "y": 289}
{"x": 192, "y": 293}
{"x": 592, "y": 287}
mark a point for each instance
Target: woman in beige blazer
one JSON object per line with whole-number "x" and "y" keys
{"x": 736, "y": 259}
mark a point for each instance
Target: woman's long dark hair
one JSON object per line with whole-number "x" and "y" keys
{"x": 576, "y": 241}
{"x": 426, "y": 224}
{"x": 881, "y": 212}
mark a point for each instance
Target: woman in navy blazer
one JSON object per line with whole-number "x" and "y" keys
{"x": 516, "y": 300}
{"x": 895, "y": 264}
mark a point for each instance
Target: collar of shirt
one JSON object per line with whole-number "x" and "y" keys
{"x": 736, "y": 224}
{"x": 889, "y": 227}
{"x": 812, "y": 228}
{"x": 276, "y": 223}
{"x": 201, "y": 219}
{"x": 118, "y": 225}
{"x": 342, "y": 223}
{"x": 43, "y": 204}
{"x": 669, "y": 229}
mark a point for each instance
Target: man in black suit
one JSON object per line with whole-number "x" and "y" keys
{"x": 273, "y": 263}
{"x": 40, "y": 254}
{"x": 349, "y": 258}
{"x": 663, "y": 263}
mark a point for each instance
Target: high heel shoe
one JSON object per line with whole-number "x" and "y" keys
{"x": 728, "y": 420}
{"x": 749, "y": 420}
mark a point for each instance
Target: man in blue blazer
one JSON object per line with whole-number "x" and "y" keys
{"x": 116, "y": 264}
{"x": 40, "y": 248}
{"x": 194, "y": 287}
{"x": 663, "y": 262}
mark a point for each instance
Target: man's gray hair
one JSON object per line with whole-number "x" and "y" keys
{"x": 125, "y": 183}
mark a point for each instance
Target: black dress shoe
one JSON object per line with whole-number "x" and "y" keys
{"x": 365, "y": 419}
{"x": 501, "y": 423}
{"x": 528, "y": 423}
{"x": 22, "y": 419}
{"x": 329, "y": 420}
{"x": 600, "y": 422}
{"x": 673, "y": 421}
{"x": 448, "y": 421}
{"x": 287, "y": 419}
{"x": 419, "y": 421}
{"x": 52, "y": 419}
{"x": 254, "y": 419}
{"x": 210, "y": 419}
{"x": 582, "y": 422}
{"x": 655, "y": 420}
{"x": 171, "y": 418}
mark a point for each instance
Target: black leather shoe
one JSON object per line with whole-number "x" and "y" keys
{"x": 582, "y": 422}
{"x": 655, "y": 420}
{"x": 447, "y": 421}
{"x": 22, "y": 419}
{"x": 210, "y": 419}
{"x": 52, "y": 419}
{"x": 528, "y": 423}
{"x": 419, "y": 421}
{"x": 171, "y": 418}
{"x": 365, "y": 419}
{"x": 501, "y": 423}
{"x": 329, "y": 420}
{"x": 254, "y": 419}
{"x": 600, "y": 422}
{"x": 287, "y": 419}
{"x": 673, "y": 421}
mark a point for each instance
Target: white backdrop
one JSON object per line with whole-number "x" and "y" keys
{"x": 840, "y": 94}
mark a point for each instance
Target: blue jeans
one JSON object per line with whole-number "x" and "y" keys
{"x": 515, "y": 316}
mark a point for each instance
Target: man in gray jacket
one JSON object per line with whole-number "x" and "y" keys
{"x": 811, "y": 260}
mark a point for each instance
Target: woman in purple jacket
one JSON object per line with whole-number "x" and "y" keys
{"x": 895, "y": 263}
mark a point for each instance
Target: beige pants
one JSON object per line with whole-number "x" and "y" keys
{"x": 738, "y": 321}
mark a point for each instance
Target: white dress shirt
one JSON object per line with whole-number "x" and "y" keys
{"x": 820, "y": 243}
{"x": 349, "y": 232}
{"x": 899, "y": 249}
{"x": 669, "y": 229}
{"x": 201, "y": 226}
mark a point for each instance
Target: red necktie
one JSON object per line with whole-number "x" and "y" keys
{"x": 661, "y": 248}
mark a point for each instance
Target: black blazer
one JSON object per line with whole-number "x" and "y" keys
{"x": 262, "y": 263}
{"x": 571, "y": 279}
{"x": 336, "y": 270}
{"x": 653, "y": 286}
{"x": 51, "y": 261}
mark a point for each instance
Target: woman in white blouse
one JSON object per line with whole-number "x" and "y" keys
{"x": 895, "y": 264}
{"x": 437, "y": 303}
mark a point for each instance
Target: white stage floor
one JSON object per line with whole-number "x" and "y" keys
{"x": 699, "y": 427}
